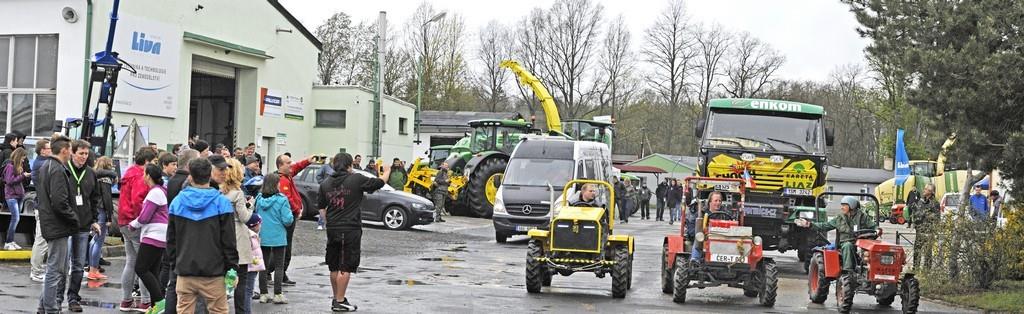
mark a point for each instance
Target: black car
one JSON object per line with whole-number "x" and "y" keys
{"x": 396, "y": 209}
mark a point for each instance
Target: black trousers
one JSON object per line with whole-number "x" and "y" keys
{"x": 274, "y": 257}
{"x": 147, "y": 266}
{"x": 661, "y": 208}
{"x": 645, "y": 209}
{"x": 288, "y": 249}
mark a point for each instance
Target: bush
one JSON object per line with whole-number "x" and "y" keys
{"x": 971, "y": 253}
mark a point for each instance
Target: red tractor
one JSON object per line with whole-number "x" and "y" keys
{"x": 878, "y": 270}
{"x": 727, "y": 253}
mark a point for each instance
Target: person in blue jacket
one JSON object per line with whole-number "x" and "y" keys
{"x": 979, "y": 203}
{"x": 273, "y": 208}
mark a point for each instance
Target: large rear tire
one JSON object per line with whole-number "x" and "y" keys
{"x": 910, "y": 294}
{"x": 666, "y": 271}
{"x": 817, "y": 284}
{"x": 479, "y": 204}
{"x": 534, "y": 269}
{"x": 770, "y": 283}
{"x": 845, "y": 291}
{"x": 885, "y": 300}
{"x": 680, "y": 279}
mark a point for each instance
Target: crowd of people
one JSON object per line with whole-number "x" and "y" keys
{"x": 186, "y": 221}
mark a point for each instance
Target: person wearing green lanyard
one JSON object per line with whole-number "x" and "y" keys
{"x": 85, "y": 198}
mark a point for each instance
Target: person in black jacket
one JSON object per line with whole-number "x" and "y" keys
{"x": 179, "y": 180}
{"x": 660, "y": 192}
{"x": 674, "y": 199}
{"x": 177, "y": 183}
{"x": 86, "y": 198}
{"x": 58, "y": 221}
{"x": 201, "y": 239}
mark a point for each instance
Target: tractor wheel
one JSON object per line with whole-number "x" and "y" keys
{"x": 421, "y": 191}
{"x": 534, "y": 269}
{"x": 910, "y": 294}
{"x": 845, "y": 291}
{"x": 769, "y": 284}
{"x": 817, "y": 284}
{"x": 629, "y": 276}
{"x": 680, "y": 279}
{"x": 620, "y": 272}
{"x": 482, "y": 186}
{"x": 666, "y": 271}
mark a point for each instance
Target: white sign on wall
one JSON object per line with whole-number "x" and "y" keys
{"x": 271, "y": 103}
{"x": 294, "y": 108}
{"x": 153, "y": 49}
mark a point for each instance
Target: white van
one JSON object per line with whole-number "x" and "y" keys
{"x": 523, "y": 200}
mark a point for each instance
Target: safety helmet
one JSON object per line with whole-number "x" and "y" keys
{"x": 852, "y": 201}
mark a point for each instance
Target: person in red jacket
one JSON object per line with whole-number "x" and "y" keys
{"x": 286, "y": 169}
{"x": 129, "y": 204}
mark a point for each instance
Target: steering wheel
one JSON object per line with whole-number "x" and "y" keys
{"x": 870, "y": 234}
{"x": 720, "y": 215}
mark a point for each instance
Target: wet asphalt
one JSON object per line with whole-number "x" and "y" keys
{"x": 457, "y": 267}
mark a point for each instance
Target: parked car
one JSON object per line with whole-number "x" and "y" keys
{"x": 396, "y": 209}
{"x": 949, "y": 204}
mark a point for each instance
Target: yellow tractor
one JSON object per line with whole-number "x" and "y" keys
{"x": 580, "y": 238}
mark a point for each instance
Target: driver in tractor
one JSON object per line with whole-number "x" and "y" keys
{"x": 715, "y": 211}
{"x": 587, "y": 197}
{"x": 846, "y": 225}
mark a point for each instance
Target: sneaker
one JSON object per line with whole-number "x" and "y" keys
{"x": 255, "y": 295}
{"x": 319, "y": 227}
{"x": 265, "y": 298}
{"x": 74, "y": 306}
{"x": 287, "y": 282}
{"x": 104, "y": 262}
{"x": 141, "y": 307}
{"x": 342, "y": 306}
{"x": 280, "y": 299}
{"x": 16, "y": 246}
{"x": 9, "y": 246}
{"x": 96, "y": 275}
{"x": 37, "y": 278}
{"x": 126, "y": 306}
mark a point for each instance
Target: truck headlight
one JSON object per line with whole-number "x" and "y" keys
{"x": 699, "y": 237}
{"x": 887, "y": 259}
{"x": 499, "y": 204}
{"x": 807, "y": 215}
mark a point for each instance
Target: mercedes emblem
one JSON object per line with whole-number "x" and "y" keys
{"x": 527, "y": 209}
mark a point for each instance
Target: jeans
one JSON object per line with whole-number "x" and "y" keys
{"x": 12, "y": 204}
{"x": 39, "y": 250}
{"x": 79, "y": 250}
{"x": 96, "y": 246}
{"x": 623, "y": 212}
{"x": 645, "y": 209}
{"x": 661, "y": 209}
{"x": 56, "y": 275}
{"x": 274, "y": 258}
{"x": 674, "y": 213}
{"x": 243, "y": 294}
{"x": 131, "y": 253}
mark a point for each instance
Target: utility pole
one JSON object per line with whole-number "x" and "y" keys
{"x": 378, "y": 96}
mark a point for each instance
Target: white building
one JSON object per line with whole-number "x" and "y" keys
{"x": 232, "y": 71}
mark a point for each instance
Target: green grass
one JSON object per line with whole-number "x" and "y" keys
{"x": 1005, "y": 295}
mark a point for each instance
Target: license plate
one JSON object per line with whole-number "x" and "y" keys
{"x": 760, "y": 211}
{"x": 801, "y": 192}
{"x": 525, "y": 228}
{"x": 885, "y": 277}
{"x": 725, "y": 258}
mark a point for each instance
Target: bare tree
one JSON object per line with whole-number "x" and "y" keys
{"x": 669, "y": 50}
{"x": 335, "y": 34}
{"x": 491, "y": 79}
{"x": 435, "y": 48}
{"x": 712, "y": 45}
{"x": 751, "y": 65}
{"x": 617, "y": 65}
{"x": 569, "y": 37}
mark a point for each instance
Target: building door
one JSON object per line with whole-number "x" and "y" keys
{"x": 266, "y": 149}
{"x": 212, "y": 108}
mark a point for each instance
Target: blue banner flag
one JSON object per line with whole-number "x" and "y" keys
{"x": 902, "y": 161}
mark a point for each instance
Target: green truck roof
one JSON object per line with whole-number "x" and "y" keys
{"x": 766, "y": 105}
{"x": 500, "y": 122}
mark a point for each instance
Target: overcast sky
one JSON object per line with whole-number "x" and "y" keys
{"x": 814, "y": 35}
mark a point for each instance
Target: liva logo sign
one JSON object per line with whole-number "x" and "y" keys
{"x": 141, "y": 44}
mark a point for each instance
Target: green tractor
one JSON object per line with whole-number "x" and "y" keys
{"x": 477, "y": 163}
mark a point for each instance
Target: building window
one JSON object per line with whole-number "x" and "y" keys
{"x": 401, "y": 126}
{"x": 28, "y": 84}
{"x": 330, "y": 119}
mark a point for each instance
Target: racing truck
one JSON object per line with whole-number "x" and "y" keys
{"x": 779, "y": 149}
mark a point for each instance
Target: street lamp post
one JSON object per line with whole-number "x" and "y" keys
{"x": 419, "y": 76}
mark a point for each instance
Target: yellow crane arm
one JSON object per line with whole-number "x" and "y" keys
{"x": 941, "y": 160}
{"x": 546, "y": 101}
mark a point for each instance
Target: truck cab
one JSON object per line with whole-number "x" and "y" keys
{"x": 539, "y": 168}
{"x": 780, "y": 148}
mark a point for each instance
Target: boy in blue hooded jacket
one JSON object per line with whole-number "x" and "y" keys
{"x": 199, "y": 214}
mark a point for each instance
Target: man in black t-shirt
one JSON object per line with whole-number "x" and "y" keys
{"x": 341, "y": 196}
